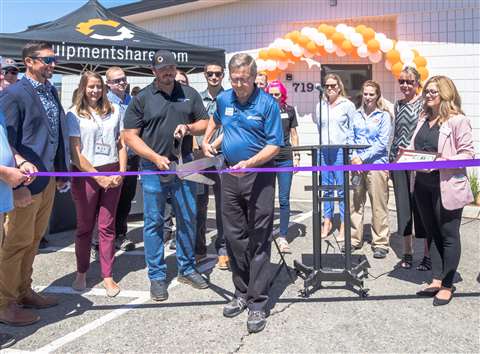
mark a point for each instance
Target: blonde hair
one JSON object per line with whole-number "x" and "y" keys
{"x": 380, "y": 101}
{"x": 80, "y": 100}
{"x": 339, "y": 81}
{"x": 450, "y": 101}
{"x": 111, "y": 70}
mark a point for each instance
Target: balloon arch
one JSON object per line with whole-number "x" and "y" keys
{"x": 358, "y": 42}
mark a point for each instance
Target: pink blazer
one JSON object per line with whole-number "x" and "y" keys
{"x": 454, "y": 143}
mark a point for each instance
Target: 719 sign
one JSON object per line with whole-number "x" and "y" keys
{"x": 303, "y": 86}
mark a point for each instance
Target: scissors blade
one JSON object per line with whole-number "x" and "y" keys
{"x": 198, "y": 178}
{"x": 193, "y": 167}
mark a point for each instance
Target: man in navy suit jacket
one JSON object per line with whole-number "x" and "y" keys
{"x": 37, "y": 129}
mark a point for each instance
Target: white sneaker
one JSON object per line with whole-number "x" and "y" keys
{"x": 94, "y": 255}
{"x": 283, "y": 245}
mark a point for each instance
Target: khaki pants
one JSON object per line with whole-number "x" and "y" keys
{"x": 24, "y": 228}
{"x": 375, "y": 183}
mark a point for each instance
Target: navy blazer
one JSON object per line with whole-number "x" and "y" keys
{"x": 28, "y": 130}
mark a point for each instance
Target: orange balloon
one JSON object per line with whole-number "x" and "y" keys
{"x": 423, "y": 72}
{"x": 360, "y": 28}
{"x": 312, "y": 47}
{"x": 322, "y": 28}
{"x": 293, "y": 35}
{"x": 347, "y": 46}
{"x": 415, "y": 52}
{"x": 368, "y": 34}
{"x": 303, "y": 40}
{"x": 273, "y": 75}
{"x": 338, "y": 38}
{"x": 373, "y": 45}
{"x": 263, "y": 54}
{"x": 354, "y": 54}
{"x": 393, "y": 56}
{"x": 420, "y": 61}
{"x": 397, "y": 68}
{"x": 321, "y": 51}
{"x": 329, "y": 31}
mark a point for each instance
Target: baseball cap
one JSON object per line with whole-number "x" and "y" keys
{"x": 163, "y": 58}
{"x": 8, "y": 63}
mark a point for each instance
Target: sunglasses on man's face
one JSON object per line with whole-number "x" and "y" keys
{"x": 214, "y": 73}
{"x": 408, "y": 82}
{"x": 12, "y": 72}
{"x": 120, "y": 80}
{"x": 46, "y": 60}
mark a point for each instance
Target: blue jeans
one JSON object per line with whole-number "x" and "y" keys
{"x": 155, "y": 193}
{"x": 332, "y": 157}
{"x": 284, "y": 185}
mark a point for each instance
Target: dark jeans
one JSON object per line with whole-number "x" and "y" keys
{"x": 129, "y": 187}
{"x": 284, "y": 186}
{"x": 247, "y": 207}
{"x": 444, "y": 228}
{"x": 202, "y": 208}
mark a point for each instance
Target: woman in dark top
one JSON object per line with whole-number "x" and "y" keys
{"x": 407, "y": 111}
{"x": 442, "y": 194}
{"x": 285, "y": 158}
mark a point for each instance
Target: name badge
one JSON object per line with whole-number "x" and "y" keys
{"x": 229, "y": 111}
{"x": 102, "y": 149}
{"x": 445, "y": 130}
{"x": 284, "y": 115}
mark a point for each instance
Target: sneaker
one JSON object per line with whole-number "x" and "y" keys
{"x": 173, "y": 244}
{"x": 94, "y": 255}
{"x": 235, "y": 307}
{"x": 283, "y": 245}
{"x": 6, "y": 340}
{"x": 158, "y": 290}
{"x": 127, "y": 245}
{"x": 379, "y": 253}
{"x": 256, "y": 321}
{"x": 193, "y": 279}
{"x": 223, "y": 263}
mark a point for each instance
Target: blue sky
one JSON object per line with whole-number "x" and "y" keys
{"x": 17, "y": 15}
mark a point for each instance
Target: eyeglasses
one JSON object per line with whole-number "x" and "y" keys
{"x": 240, "y": 81}
{"x": 120, "y": 80}
{"x": 408, "y": 82}
{"x": 214, "y": 73}
{"x": 330, "y": 86}
{"x": 276, "y": 94}
{"x": 11, "y": 71}
{"x": 46, "y": 60}
{"x": 430, "y": 92}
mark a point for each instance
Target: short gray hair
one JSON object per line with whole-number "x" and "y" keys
{"x": 243, "y": 59}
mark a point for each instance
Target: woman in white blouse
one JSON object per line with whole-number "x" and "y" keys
{"x": 96, "y": 146}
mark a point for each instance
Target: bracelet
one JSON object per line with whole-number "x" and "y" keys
{"x": 22, "y": 163}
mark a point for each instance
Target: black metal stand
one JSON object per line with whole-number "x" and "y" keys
{"x": 313, "y": 277}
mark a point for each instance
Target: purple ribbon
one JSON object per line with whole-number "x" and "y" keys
{"x": 404, "y": 166}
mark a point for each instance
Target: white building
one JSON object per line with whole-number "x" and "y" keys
{"x": 445, "y": 32}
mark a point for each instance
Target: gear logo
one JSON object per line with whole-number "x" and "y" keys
{"x": 88, "y": 27}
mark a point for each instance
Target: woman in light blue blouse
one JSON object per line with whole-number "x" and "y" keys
{"x": 371, "y": 126}
{"x": 337, "y": 112}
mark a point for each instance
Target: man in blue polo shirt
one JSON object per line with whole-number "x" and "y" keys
{"x": 253, "y": 135}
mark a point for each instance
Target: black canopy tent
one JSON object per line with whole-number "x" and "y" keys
{"x": 94, "y": 38}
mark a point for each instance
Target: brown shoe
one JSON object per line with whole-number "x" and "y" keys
{"x": 13, "y": 315}
{"x": 223, "y": 263}
{"x": 38, "y": 301}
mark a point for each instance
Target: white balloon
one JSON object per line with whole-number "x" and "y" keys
{"x": 375, "y": 57}
{"x": 329, "y": 46}
{"x": 340, "y": 52}
{"x": 407, "y": 56}
{"x": 277, "y": 43}
{"x": 386, "y": 45}
{"x": 362, "y": 51}
{"x": 320, "y": 38}
{"x": 412, "y": 65}
{"x": 270, "y": 65}
{"x": 400, "y": 46}
{"x": 261, "y": 65}
{"x": 287, "y": 45}
{"x": 282, "y": 65}
{"x": 388, "y": 65}
{"x": 356, "y": 39}
{"x": 308, "y": 31}
{"x": 341, "y": 27}
{"x": 380, "y": 36}
{"x": 297, "y": 50}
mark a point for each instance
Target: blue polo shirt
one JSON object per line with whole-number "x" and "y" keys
{"x": 248, "y": 127}
{"x": 6, "y": 159}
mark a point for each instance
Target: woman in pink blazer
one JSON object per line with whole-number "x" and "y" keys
{"x": 442, "y": 194}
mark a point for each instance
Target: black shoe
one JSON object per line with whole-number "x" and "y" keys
{"x": 6, "y": 340}
{"x": 158, "y": 290}
{"x": 379, "y": 252}
{"x": 256, "y": 321}
{"x": 43, "y": 244}
{"x": 234, "y": 307}
{"x": 127, "y": 245}
{"x": 441, "y": 302}
{"x": 352, "y": 249}
{"x": 173, "y": 243}
{"x": 428, "y": 292}
{"x": 193, "y": 279}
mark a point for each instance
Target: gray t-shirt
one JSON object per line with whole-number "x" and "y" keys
{"x": 98, "y": 135}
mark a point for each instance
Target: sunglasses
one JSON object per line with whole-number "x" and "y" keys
{"x": 276, "y": 94}
{"x": 46, "y": 60}
{"x": 214, "y": 73}
{"x": 408, "y": 82}
{"x": 330, "y": 86}
{"x": 430, "y": 92}
{"x": 11, "y": 71}
{"x": 120, "y": 80}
